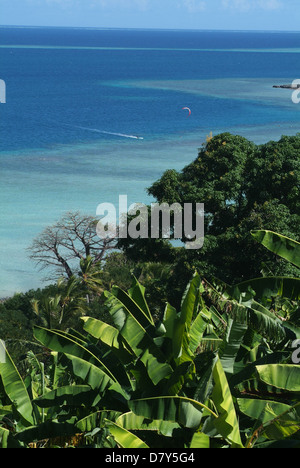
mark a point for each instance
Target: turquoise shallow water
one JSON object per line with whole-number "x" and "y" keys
{"x": 34, "y": 200}
{"x": 75, "y": 100}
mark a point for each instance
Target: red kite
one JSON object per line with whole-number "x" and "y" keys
{"x": 187, "y": 108}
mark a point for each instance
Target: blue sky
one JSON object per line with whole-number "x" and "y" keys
{"x": 166, "y": 14}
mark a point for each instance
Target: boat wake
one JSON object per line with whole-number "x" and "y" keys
{"x": 123, "y": 135}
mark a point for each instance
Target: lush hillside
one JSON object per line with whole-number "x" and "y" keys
{"x": 157, "y": 346}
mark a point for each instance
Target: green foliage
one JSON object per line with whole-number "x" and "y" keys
{"x": 127, "y": 354}
{"x": 280, "y": 245}
{"x": 56, "y": 306}
{"x": 217, "y": 373}
{"x": 16, "y": 322}
{"x": 244, "y": 187}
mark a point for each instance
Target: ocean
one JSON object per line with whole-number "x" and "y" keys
{"x": 92, "y": 114}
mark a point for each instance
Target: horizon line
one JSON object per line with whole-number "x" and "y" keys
{"x": 108, "y": 28}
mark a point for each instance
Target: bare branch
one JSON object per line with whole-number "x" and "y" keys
{"x": 72, "y": 238}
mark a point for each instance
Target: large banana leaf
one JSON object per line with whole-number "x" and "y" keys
{"x": 231, "y": 345}
{"x": 280, "y": 245}
{"x": 95, "y": 420}
{"x": 283, "y": 426}
{"x": 102, "y": 331}
{"x": 189, "y": 308}
{"x": 204, "y": 363}
{"x": 261, "y": 319}
{"x": 227, "y": 422}
{"x": 59, "y": 342}
{"x": 283, "y": 376}
{"x": 137, "y": 337}
{"x": 93, "y": 375}
{"x": 169, "y": 322}
{"x": 125, "y": 438}
{"x": 239, "y": 300}
{"x": 197, "y": 330}
{"x": 110, "y": 336}
{"x": 249, "y": 373}
{"x": 265, "y": 322}
{"x": 15, "y": 390}
{"x": 182, "y": 410}
{"x": 71, "y": 395}
{"x": 200, "y": 441}
{"x": 275, "y": 420}
{"x": 190, "y": 301}
{"x": 256, "y": 409}
{"x": 270, "y": 286}
{"x": 137, "y": 293}
{"x": 132, "y": 422}
{"x": 178, "y": 325}
{"x": 144, "y": 318}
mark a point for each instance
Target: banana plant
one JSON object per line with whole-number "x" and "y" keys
{"x": 18, "y": 411}
{"x": 280, "y": 245}
{"x": 146, "y": 370}
{"x": 269, "y": 287}
{"x": 16, "y": 391}
{"x": 274, "y": 305}
{"x": 216, "y": 373}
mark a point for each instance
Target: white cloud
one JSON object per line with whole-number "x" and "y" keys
{"x": 137, "y": 4}
{"x": 194, "y": 6}
{"x": 241, "y": 5}
{"x": 271, "y": 4}
{"x": 247, "y": 5}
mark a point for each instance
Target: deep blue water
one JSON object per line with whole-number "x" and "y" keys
{"x": 51, "y": 89}
{"x": 147, "y": 38}
{"x": 66, "y": 86}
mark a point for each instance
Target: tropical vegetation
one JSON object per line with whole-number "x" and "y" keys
{"x": 244, "y": 187}
{"x": 142, "y": 343}
{"x": 218, "y": 373}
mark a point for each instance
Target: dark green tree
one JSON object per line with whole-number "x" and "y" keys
{"x": 243, "y": 186}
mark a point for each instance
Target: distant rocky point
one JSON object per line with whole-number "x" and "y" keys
{"x": 291, "y": 86}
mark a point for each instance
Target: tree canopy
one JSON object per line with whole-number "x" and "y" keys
{"x": 243, "y": 186}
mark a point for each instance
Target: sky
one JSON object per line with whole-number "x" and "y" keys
{"x": 281, "y": 15}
